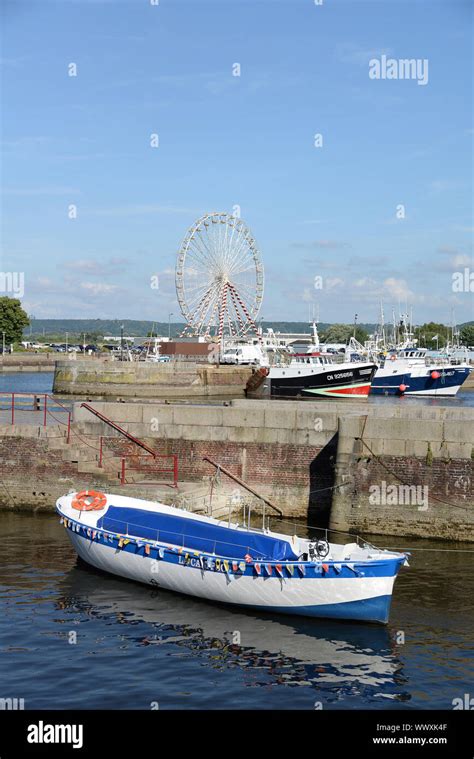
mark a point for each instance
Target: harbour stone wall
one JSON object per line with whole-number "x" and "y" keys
{"x": 176, "y": 379}
{"x": 332, "y": 463}
{"x": 406, "y": 476}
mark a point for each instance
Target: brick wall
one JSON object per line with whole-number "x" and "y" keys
{"x": 287, "y": 474}
{"x": 32, "y": 474}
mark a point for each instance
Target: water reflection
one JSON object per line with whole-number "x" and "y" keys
{"x": 288, "y": 650}
{"x": 188, "y": 653}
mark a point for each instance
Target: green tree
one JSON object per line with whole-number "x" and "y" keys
{"x": 466, "y": 334}
{"x": 13, "y": 319}
{"x": 341, "y": 333}
{"x": 426, "y": 332}
{"x": 93, "y": 337}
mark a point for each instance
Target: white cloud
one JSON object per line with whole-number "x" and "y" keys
{"x": 398, "y": 288}
{"x": 139, "y": 210}
{"x": 98, "y": 288}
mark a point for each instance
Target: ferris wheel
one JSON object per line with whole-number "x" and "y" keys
{"x": 219, "y": 277}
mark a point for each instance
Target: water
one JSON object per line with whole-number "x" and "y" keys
{"x": 42, "y": 382}
{"x": 26, "y": 382}
{"x": 137, "y": 645}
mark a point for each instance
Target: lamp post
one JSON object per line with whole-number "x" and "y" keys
{"x": 355, "y": 325}
{"x": 169, "y": 325}
{"x": 121, "y": 342}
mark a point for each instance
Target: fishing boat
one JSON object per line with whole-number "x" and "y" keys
{"x": 228, "y": 562}
{"x": 409, "y": 371}
{"x": 315, "y": 374}
{"x": 405, "y": 368}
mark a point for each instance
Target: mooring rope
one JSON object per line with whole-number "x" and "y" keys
{"x": 433, "y": 497}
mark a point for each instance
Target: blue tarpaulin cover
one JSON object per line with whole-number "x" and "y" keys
{"x": 194, "y": 534}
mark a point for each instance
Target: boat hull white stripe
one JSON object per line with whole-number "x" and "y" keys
{"x": 258, "y": 591}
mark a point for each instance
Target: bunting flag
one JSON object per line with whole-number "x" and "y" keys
{"x": 290, "y": 568}
{"x": 226, "y": 565}
{"x": 325, "y": 567}
{"x": 337, "y": 567}
{"x": 125, "y": 542}
{"x": 147, "y": 549}
{"x": 235, "y": 566}
{"x": 120, "y": 543}
{"x": 218, "y": 564}
{"x": 248, "y": 558}
{"x": 353, "y": 569}
{"x": 302, "y": 568}
{"x": 269, "y": 568}
{"x": 61, "y": 520}
{"x": 258, "y": 568}
{"x": 94, "y": 533}
{"x": 202, "y": 562}
{"x": 242, "y": 566}
{"x": 161, "y": 553}
{"x": 279, "y": 569}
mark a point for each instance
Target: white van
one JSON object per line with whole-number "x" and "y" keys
{"x": 244, "y": 354}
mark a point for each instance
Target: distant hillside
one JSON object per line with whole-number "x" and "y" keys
{"x": 135, "y": 328}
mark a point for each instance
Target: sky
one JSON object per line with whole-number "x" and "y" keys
{"x": 378, "y": 208}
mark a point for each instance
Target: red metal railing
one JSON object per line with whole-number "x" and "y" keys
{"x": 115, "y": 426}
{"x": 123, "y": 481}
{"x": 171, "y": 470}
{"x": 38, "y": 402}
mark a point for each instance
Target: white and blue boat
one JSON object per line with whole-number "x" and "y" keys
{"x": 407, "y": 372}
{"x": 229, "y": 563}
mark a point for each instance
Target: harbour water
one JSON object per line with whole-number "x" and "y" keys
{"x": 32, "y": 382}
{"x": 73, "y": 638}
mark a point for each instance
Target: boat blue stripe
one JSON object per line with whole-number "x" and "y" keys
{"x": 375, "y": 609}
{"x": 376, "y": 568}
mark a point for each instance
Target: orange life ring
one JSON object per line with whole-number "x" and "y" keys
{"x": 82, "y": 501}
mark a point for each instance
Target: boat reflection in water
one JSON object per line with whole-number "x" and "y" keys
{"x": 338, "y": 660}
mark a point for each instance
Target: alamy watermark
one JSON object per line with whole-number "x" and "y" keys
{"x": 9, "y": 704}
{"x": 401, "y": 68}
{"x": 12, "y": 282}
{"x": 466, "y": 702}
{"x": 463, "y": 281}
{"x": 399, "y": 495}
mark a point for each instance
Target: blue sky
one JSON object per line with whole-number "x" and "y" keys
{"x": 249, "y": 141}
